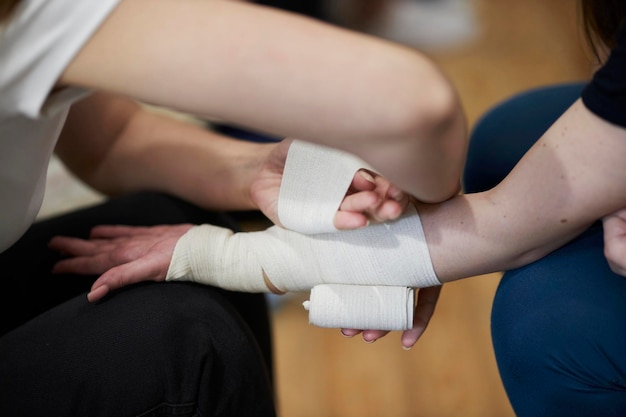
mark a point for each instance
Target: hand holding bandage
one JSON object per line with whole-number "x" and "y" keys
{"x": 391, "y": 255}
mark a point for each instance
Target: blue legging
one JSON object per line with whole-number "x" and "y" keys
{"x": 558, "y": 325}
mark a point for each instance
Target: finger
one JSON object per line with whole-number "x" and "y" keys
{"x": 396, "y": 194}
{"x": 360, "y": 202}
{"x": 108, "y": 231}
{"x": 349, "y": 221}
{"x": 97, "y": 293}
{"x": 388, "y": 210}
{"x": 426, "y": 303}
{"x": 410, "y": 337}
{"x": 370, "y": 336}
{"x": 75, "y": 246}
{"x": 363, "y": 181}
{"x": 350, "y": 332}
{"x": 149, "y": 268}
{"x": 83, "y": 265}
{"x": 119, "y": 277}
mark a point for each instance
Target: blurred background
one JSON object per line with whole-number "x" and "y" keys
{"x": 491, "y": 50}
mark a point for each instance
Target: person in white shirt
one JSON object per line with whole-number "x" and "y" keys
{"x": 73, "y": 76}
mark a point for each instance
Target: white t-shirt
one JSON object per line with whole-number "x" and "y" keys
{"x": 36, "y": 45}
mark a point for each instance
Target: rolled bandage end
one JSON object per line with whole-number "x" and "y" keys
{"x": 361, "y": 307}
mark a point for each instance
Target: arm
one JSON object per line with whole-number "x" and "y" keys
{"x": 288, "y": 75}
{"x": 116, "y": 146}
{"x": 573, "y": 176}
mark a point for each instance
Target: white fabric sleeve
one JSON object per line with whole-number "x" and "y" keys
{"x": 37, "y": 44}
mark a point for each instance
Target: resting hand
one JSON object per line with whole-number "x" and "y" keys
{"x": 121, "y": 255}
{"x": 615, "y": 241}
{"x": 426, "y": 301}
{"x": 371, "y": 197}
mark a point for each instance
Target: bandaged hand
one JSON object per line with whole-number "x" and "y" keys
{"x": 363, "y": 278}
{"x": 380, "y": 263}
{"x": 326, "y": 172}
{"x": 393, "y": 254}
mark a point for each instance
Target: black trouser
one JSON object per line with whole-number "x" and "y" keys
{"x": 162, "y": 349}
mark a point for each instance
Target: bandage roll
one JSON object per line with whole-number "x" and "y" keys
{"x": 361, "y": 307}
{"x": 315, "y": 181}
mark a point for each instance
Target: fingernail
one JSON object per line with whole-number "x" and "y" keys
{"x": 396, "y": 194}
{"x": 407, "y": 347}
{"x": 367, "y": 176}
{"x": 369, "y": 342}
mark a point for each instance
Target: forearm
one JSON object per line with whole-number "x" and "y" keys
{"x": 144, "y": 150}
{"x": 470, "y": 235}
{"x": 288, "y": 75}
{"x": 573, "y": 176}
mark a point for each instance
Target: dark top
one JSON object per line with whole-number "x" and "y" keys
{"x": 605, "y": 95}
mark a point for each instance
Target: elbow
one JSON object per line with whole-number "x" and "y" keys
{"x": 427, "y": 105}
{"x": 433, "y": 129}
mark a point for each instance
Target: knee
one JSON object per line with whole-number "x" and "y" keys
{"x": 198, "y": 341}
{"x": 559, "y": 351}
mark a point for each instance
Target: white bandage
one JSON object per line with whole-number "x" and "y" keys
{"x": 361, "y": 307}
{"x": 393, "y": 253}
{"x": 315, "y": 181}
{"x": 217, "y": 256}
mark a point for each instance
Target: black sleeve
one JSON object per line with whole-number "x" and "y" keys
{"x": 605, "y": 95}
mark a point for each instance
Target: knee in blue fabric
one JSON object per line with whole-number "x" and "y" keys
{"x": 558, "y": 328}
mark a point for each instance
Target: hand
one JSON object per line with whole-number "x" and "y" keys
{"x": 615, "y": 241}
{"x": 371, "y": 197}
{"x": 426, "y": 301}
{"x": 121, "y": 255}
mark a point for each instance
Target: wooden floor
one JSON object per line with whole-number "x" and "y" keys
{"x": 452, "y": 371}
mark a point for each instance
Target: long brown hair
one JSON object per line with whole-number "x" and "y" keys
{"x": 6, "y": 8}
{"x": 601, "y": 22}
